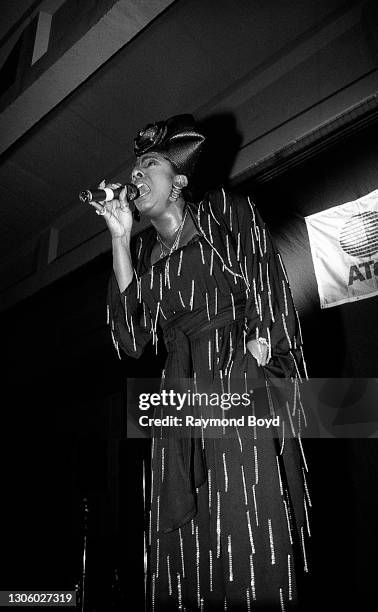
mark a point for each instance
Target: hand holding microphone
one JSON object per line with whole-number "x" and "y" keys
{"x": 115, "y": 206}
{"x": 106, "y": 194}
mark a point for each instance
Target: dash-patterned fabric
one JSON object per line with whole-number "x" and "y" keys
{"x": 228, "y": 523}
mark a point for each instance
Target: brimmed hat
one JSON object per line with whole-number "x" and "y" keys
{"x": 177, "y": 139}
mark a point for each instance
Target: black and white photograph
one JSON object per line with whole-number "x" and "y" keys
{"x": 189, "y": 293}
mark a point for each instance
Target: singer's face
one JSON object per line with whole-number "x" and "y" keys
{"x": 153, "y": 175}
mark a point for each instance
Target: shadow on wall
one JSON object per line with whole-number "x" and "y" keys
{"x": 223, "y": 141}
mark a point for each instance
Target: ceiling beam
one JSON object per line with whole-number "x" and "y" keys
{"x": 122, "y": 22}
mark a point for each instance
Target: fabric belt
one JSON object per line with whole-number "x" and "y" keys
{"x": 185, "y": 466}
{"x": 182, "y": 329}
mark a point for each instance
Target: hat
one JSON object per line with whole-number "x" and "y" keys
{"x": 176, "y": 139}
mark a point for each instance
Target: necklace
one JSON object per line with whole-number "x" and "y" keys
{"x": 164, "y": 248}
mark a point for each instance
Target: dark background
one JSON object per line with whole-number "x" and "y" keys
{"x": 63, "y": 416}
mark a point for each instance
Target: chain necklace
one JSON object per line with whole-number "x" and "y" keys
{"x": 164, "y": 248}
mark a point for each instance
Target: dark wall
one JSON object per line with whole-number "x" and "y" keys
{"x": 61, "y": 428}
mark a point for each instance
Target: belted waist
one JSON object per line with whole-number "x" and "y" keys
{"x": 185, "y": 465}
{"x": 193, "y": 325}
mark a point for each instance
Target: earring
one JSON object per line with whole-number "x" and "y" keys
{"x": 179, "y": 182}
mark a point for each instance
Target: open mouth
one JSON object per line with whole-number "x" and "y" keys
{"x": 143, "y": 190}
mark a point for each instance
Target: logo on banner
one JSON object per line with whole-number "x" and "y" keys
{"x": 359, "y": 238}
{"x": 344, "y": 247}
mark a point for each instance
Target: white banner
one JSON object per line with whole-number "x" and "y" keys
{"x": 344, "y": 248}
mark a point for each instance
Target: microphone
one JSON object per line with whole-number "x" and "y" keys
{"x": 107, "y": 194}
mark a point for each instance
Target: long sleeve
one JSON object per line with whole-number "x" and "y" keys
{"x": 270, "y": 313}
{"x": 129, "y": 319}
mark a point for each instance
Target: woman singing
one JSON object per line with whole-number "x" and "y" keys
{"x": 229, "y": 517}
